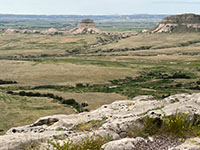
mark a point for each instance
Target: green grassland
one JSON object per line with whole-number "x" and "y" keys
{"x": 71, "y": 67}
{"x": 17, "y": 111}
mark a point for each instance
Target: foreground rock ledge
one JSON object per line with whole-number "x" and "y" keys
{"x": 117, "y": 118}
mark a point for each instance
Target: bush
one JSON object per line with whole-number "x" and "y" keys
{"x": 86, "y": 110}
{"x": 84, "y": 104}
{"x": 58, "y": 98}
{"x": 49, "y": 95}
{"x": 179, "y": 85}
{"x": 22, "y": 93}
{"x": 180, "y": 75}
{"x": 177, "y": 125}
{"x": 198, "y": 82}
{"x": 9, "y": 92}
{"x": 195, "y": 88}
{"x": 8, "y": 82}
{"x": 158, "y": 74}
{"x": 79, "y": 85}
{"x": 69, "y": 102}
{"x": 164, "y": 96}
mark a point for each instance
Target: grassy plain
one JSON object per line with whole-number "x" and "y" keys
{"x": 146, "y": 64}
{"x": 17, "y": 111}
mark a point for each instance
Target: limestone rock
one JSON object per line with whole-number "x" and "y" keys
{"x": 156, "y": 143}
{"x": 124, "y": 144}
{"x": 117, "y": 118}
{"x": 190, "y": 144}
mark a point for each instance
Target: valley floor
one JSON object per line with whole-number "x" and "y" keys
{"x": 40, "y": 74}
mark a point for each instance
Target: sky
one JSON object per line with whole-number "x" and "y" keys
{"x": 99, "y": 7}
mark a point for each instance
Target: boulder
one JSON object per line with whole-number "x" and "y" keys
{"x": 123, "y": 144}
{"x": 156, "y": 143}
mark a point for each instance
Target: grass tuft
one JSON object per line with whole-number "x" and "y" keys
{"x": 89, "y": 143}
{"x": 88, "y": 126}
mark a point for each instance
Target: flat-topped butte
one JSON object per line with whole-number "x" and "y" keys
{"x": 179, "y": 23}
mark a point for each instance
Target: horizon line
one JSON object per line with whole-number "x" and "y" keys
{"x": 84, "y": 14}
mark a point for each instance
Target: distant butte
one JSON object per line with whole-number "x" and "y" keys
{"x": 179, "y": 23}
{"x": 86, "y": 26}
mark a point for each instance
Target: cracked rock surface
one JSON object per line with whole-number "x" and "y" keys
{"x": 117, "y": 118}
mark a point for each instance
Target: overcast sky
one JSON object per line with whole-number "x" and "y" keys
{"x": 99, "y": 7}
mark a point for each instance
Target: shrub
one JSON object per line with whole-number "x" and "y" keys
{"x": 198, "y": 82}
{"x": 9, "y": 92}
{"x": 79, "y": 85}
{"x": 58, "y": 98}
{"x": 195, "y": 88}
{"x": 8, "y": 82}
{"x": 50, "y": 95}
{"x": 86, "y": 110}
{"x": 177, "y": 125}
{"x": 179, "y": 85}
{"x": 69, "y": 102}
{"x": 84, "y": 104}
{"x": 164, "y": 96}
{"x": 22, "y": 93}
{"x": 180, "y": 75}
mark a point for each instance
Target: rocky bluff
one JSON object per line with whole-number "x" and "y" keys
{"x": 179, "y": 23}
{"x": 86, "y": 26}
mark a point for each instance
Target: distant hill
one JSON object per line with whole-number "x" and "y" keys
{"x": 63, "y": 22}
{"x": 179, "y": 23}
{"x": 81, "y": 17}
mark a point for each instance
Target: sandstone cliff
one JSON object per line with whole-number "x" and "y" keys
{"x": 179, "y": 23}
{"x": 86, "y": 26}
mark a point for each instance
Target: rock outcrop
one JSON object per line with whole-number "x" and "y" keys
{"x": 116, "y": 120}
{"x": 86, "y": 26}
{"x": 11, "y": 31}
{"x": 179, "y": 23}
{"x": 51, "y": 31}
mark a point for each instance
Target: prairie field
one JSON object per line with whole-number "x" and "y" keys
{"x": 39, "y": 72}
